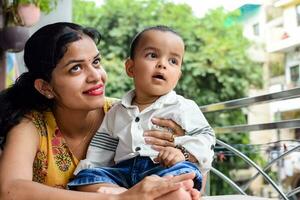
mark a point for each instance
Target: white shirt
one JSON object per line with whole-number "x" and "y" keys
{"x": 120, "y": 136}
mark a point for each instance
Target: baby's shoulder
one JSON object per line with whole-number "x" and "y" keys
{"x": 185, "y": 103}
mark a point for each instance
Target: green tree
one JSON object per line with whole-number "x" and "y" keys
{"x": 216, "y": 67}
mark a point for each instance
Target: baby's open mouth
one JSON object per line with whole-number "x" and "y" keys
{"x": 159, "y": 76}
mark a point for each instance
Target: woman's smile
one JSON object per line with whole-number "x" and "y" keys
{"x": 95, "y": 91}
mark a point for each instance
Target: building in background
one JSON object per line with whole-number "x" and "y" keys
{"x": 283, "y": 38}
{"x": 273, "y": 27}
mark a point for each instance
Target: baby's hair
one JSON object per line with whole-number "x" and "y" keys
{"x": 139, "y": 35}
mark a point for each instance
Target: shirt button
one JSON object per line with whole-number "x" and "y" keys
{"x": 137, "y": 148}
{"x": 137, "y": 119}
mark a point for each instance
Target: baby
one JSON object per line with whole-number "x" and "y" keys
{"x": 118, "y": 156}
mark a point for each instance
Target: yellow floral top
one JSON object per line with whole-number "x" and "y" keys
{"x": 54, "y": 163}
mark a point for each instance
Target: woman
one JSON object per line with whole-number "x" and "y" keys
{"x": 50, "y": 114}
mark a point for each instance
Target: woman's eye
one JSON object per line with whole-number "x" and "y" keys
{"x": 173, "y": 61}
{"x": 97, "y": 61}
{"x": 75, "y": 69}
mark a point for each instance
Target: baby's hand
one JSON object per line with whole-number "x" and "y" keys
{"x": 169, "y": 156}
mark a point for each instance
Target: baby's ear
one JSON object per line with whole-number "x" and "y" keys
{"x": 129, "y": 64}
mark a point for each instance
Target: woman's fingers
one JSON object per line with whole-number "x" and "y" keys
{"x": 153, "y": 187}
{"x": 168, "y": 177}
{"x": 157, "y": 148}
{"x": 176, "y": 129}
{"x": 164, "y": 135}
{"x": 183, "y": 177}
{"x": 157, "y": 186}
{"x": 158, "y": 142}
{"x": 164, "y": 188}
{"x": 195, "y": 194}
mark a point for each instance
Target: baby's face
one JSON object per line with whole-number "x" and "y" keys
{"x": 157, "y": 62}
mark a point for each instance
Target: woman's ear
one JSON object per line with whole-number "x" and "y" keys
{"x": 129, "y": 64}
{"x": 44, "y": 88}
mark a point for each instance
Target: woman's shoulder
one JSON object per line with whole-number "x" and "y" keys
{"x": 25, "y": 129}
{"x": 39, "y": 120}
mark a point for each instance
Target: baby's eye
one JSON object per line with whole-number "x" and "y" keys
{"x": 75, "y": 69}
{"x": 151, "y": 55}
{"x": 173, "y": 61}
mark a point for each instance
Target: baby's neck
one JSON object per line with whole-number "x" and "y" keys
{"x": 143, "y": 104}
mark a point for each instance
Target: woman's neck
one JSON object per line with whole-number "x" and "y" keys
{"x": 78, "y": 128}
{"x": 74, "y": 123}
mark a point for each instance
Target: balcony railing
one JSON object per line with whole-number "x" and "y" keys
{"x": 281, "y": 124}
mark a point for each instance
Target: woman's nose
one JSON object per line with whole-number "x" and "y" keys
{"x": 94, "y": 74}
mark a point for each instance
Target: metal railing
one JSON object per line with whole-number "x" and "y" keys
{"x": 282, "y": 124}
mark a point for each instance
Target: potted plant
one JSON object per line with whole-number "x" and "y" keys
{"x": 27, "y": 12}
{"x": 17, "y": 15}
{"x": 45, "y": 6}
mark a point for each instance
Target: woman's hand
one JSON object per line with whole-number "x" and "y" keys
{"x": 153, "y": 187}
{"x": 163, "y": 138}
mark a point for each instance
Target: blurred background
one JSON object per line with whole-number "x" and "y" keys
{"x": 234, "y": 49}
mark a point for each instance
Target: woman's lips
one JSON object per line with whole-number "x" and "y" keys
{"x": 95, "y": 91}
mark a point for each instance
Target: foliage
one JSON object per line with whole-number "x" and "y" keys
{"x": 46, "y": 6}
{"x": 10, "y": 9}
{"x": 216, "y": 67}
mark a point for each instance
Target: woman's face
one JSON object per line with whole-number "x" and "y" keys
{"x": 78, "y": 81}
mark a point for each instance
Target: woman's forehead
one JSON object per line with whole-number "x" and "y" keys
{"x": 82, "y": 50}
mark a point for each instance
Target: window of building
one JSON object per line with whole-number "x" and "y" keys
{"x": 297, "y": 133}
{"x": 294, "y": 72}
{"x": 256, "y": 29}
{"x": 298, "y": 14}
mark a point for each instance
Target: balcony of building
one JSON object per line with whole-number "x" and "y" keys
{"x": 281, "y": 39}
{"x": 285, "y": 3}
{"x": 282, "y": 25}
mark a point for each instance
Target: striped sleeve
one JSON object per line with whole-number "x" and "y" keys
{"x": 104, "y": 141}
{"x": 205, "y": 130}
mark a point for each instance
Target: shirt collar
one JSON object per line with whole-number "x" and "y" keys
{"x": 168, "y": 99}
{"x": 127, "y": 98}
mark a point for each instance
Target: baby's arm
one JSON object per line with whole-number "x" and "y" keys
{"x": 169, "y": 156}
{"x": 199, "y": 139}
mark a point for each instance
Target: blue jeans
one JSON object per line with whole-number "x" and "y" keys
{"x": 129, "y": 172}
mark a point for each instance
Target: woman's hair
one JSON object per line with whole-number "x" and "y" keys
{"x": 139, "y": 35}
{"x": 42, "y": 52}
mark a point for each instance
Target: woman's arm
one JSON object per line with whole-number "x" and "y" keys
{"x": 16, "y": 174}
{"x": 16, "y": 169}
